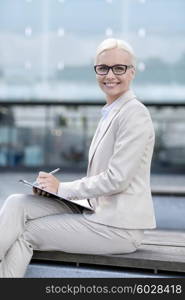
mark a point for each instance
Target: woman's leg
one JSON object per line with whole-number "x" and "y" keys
{"x": 17, "y": 258}
{"x": 63, "y": 231}
{"x": 70, "y": 233}
{"x": 74, "y": 233}
{"x": 15, "y": 214}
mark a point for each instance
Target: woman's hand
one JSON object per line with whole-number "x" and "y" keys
{"x": 47, "y": 182}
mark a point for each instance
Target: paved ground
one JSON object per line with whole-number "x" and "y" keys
{"x": 67, "y": 271}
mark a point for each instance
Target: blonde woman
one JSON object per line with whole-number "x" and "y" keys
{"x": 117, "y": 182}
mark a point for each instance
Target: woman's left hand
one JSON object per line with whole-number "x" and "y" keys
{"x": 48, "y": 182}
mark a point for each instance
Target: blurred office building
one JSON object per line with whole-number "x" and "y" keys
{"x": 49, "y": 101}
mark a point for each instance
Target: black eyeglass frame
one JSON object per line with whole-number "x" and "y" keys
{"x": 111, "y": 67}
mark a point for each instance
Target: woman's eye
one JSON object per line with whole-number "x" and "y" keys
{"x": 119, "y": 69}
{"x": 102, "y": 69}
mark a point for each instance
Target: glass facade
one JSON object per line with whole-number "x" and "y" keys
{"x": 47, "y": 52}
{"x": 42, "y": 135}
{"x": 47, "y": 47}
{"x": 48, "y": 136}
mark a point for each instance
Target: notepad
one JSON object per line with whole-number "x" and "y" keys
{"x": 84, "y": 203}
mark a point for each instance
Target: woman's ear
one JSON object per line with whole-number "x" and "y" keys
{"x": 133, "y": 72}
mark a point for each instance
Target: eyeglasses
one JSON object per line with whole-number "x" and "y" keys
{"x": 116, "y": 69}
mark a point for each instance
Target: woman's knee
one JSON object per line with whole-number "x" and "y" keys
{"x": 15, "y": 201}
{"x": 31, "y": 234}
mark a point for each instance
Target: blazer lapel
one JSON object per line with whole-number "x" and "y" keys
{"x": 99, "y": 134}
{"x": 95, "y": 137}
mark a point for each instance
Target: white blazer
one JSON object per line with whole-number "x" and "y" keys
{"x": 118, "y": 176}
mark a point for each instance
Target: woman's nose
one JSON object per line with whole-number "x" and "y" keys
{"x": 110, "y": 74}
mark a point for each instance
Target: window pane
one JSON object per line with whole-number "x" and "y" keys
{"x": 47, "y": 47}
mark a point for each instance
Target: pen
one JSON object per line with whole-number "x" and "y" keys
{"x": 52, "y": 172}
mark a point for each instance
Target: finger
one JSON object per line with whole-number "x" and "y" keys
{"x": 43, "y": 174}
{"x": 43, "y": 182}
{"x": 39, "y": 192}
{"x": 43, "y": 193}
{"x": 34, "y": 190}
{"x": 42, "y": 185}
{"x": 37, "y": 180}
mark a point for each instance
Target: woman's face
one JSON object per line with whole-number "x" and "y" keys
{"x": 114, "y": 85}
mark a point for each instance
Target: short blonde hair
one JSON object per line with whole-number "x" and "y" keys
{"x": 112, "y": 43}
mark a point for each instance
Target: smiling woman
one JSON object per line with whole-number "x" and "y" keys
{"x": 117, "y": 184}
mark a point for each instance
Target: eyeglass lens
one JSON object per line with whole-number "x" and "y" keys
{"x": 117, "y": 69}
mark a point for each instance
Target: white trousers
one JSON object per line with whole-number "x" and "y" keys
{"x": 30, "y": 222}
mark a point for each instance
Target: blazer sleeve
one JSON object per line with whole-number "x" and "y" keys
{"x": 132, "y": 139}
